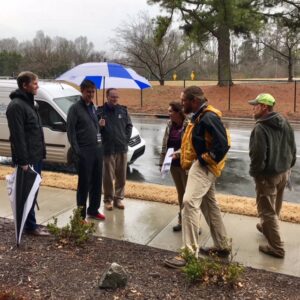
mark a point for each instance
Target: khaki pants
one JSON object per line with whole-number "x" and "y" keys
{"x": 269, "y": 190}
{"x": 114, "y": 176}
{"x": 278, "y": 202}
{"x": 180, "y": 178}
{"x": 200, "y": 193}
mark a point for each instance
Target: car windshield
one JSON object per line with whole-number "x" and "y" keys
{"x": 65, "y": 103}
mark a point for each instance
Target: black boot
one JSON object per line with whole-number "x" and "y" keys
{"x": 178, "y": 227}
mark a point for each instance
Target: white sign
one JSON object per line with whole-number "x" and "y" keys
{"x": 165, "y": 169}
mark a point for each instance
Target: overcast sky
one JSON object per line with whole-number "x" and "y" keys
{"x": 95, "y": 19}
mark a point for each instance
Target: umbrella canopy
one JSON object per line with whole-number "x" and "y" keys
{"x": 22, "y": 188}
{"x": 106, "y": 75}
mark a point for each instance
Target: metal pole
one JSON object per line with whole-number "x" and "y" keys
{"x": 229, "y": 95}
{"x": 141, "y": 98}
{"x": 103, "y": 90}
{"x": 295, "y": 96}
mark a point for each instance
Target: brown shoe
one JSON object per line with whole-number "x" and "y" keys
{"x": 108, "y": 205}
{"x": 176, "y": 262}
{"x": 269, "y": 251}
{"x": 119, "y": 204}
{"x": 213, "y": 251}
{"x": 39, "y": 231}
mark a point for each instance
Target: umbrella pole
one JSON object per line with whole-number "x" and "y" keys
{"x": 103, "y": 89}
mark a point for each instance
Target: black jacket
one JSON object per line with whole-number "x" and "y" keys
{"x": 117, "y": 131}
{"x": 26, "y": 132}
{"x": 209, "y": 135}
{"x": 82, "y": 127}
{"x": 272, "y": 146}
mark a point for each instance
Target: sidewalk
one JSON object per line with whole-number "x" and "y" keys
{"x": 150, "y": 223}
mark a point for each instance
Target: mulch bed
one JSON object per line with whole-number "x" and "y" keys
{"x": 41, "y": 268}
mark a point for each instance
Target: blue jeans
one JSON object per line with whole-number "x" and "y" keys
{"x": 30, "y": 223}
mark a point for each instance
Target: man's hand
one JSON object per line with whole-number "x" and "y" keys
{"x": 102, "y": 122}
{"x": 24, "y": 168}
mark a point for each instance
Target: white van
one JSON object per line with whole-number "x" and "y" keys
{"x": 54, "y": 101}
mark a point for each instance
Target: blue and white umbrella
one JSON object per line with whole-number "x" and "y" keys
{"x": 106, "y": 75}
{"x": 22, "y": 187}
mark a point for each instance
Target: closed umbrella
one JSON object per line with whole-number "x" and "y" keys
{"x": 106, "y": 75}
{"x": 22, "y": 187}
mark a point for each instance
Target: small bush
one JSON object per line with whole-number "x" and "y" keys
{"x": 76, "y": 231}
{"x": 234, "y": 271}
{"x": 211, "y": 270}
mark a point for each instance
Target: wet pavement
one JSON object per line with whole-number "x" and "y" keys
{"x": 235, "y": 178}
{"x": 150, "y": 223}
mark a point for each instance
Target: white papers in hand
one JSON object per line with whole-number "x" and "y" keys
{"x": 167, "y": 163}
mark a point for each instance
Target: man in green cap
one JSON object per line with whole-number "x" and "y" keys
{"x": 272, "y": 154}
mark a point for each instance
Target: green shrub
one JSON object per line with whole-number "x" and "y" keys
{"x": 234, "y": 271}
{"x": 211, "y": 269}
{"x": 76, "y": 231}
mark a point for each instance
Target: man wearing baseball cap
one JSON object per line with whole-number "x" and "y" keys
{"x": 272, "y": 154}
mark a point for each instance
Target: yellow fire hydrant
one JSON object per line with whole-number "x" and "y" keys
{"x": 193, "y": 75}
{"x": 174, "y": 76}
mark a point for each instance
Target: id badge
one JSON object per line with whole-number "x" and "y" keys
{"x": 99, "y": 138}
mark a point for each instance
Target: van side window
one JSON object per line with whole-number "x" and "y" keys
{"x": 50, "y": 118}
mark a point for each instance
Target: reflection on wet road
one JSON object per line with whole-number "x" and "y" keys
{"x": 235, "y": 178}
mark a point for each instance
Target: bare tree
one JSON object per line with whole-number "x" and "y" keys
{"x": 82, "y": 50}
{"x": 249, "y": 60}
{"x": 9, "y": 45}
{"x": 38, "y": 54}
{"x": 140, "y": 45}
{"x": 284, "y": 43}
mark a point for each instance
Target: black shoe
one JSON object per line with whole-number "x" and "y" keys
{"x": 177, "y": 228}
{"x": 212, "y": 251}
{"x": 259, "y": 227}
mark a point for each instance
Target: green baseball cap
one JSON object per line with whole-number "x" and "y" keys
{"x": 266, "y": 99}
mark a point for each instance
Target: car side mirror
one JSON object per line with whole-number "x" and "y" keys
{"x": 60, "y": 126}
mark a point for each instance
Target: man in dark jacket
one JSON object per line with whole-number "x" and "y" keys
{"x": 116, "y": 128}
{"x": 85, "y": 139}
{"x": 272, "y": 154}
{"x": 203, "y": 151}
{"x": 26, "y": 135}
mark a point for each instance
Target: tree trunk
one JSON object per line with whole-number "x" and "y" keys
{"x": 161, "y": 82}
{"x": 290, "y": 66}
{"x": 224, "y": 71}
